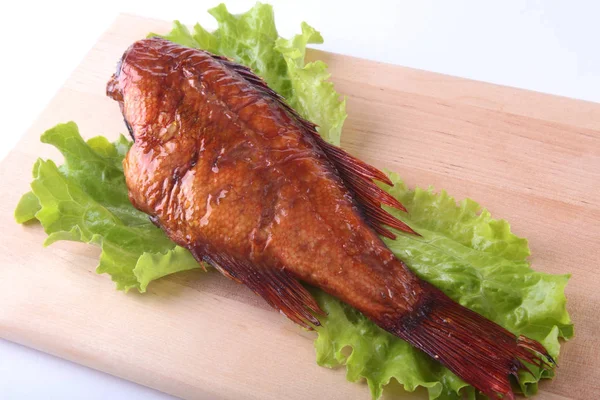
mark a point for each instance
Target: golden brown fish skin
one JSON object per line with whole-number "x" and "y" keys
{"x": 234, "y": 175}
{"x": 224, "y": 168}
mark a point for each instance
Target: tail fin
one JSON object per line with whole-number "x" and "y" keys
{"x": 476, "y": 349}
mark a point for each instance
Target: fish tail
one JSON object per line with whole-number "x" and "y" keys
{"x": 476, "y": 349}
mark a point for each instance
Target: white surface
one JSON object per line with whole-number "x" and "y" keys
{"x": 30, "y": 374}
{"x": 548, "y": 46}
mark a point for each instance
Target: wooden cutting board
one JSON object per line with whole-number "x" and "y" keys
{"x": 533, "y": 159}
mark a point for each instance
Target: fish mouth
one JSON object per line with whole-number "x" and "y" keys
{"x": 115, "y": 92}
{"x": 113, "y": 88}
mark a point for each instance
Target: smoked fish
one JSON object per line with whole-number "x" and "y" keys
{"x": 229, "y": 171}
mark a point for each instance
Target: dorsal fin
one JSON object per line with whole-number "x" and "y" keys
{"x": 357, "y": 175}
{"x": 277, "y": 287}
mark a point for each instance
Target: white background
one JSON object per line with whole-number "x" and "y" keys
{"x": 548, "y": 46}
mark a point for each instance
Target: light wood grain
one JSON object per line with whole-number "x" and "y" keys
{"x": 531, "y": 158}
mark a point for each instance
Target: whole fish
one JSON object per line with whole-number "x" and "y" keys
{"x": 228, "y": 170}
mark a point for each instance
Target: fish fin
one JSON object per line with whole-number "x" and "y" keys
{"x": 476, "y": 349}
{"x": 255, "y": 80}
{"x": 277, "y": 287}
{"x": 356, "y": 174}
{"x": 360, "y": 178}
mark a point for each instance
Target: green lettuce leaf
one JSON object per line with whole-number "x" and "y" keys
{"x": 28, "y": 206}
{"x": 86, "y": 200}
{"x": 311, "y": 81}
{"x": 251, "y": 39}
{"x": 473, "y": 258}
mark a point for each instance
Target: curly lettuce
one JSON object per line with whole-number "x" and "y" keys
{"x": 251, "y": 39}
{"x": 86, "y": 200}
{"x": 473, "y": 258}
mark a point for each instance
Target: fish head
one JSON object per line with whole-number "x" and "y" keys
{"x": 146, "y": 87}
